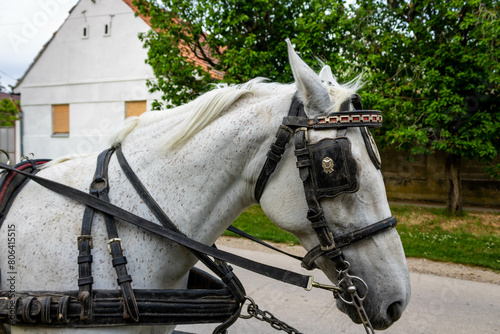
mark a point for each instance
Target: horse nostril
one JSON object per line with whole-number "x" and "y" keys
{"x": 395, "y": 310}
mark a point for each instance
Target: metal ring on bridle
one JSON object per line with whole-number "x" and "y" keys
{"x": 98, "y": 184}
{"x": 252, "y": 303}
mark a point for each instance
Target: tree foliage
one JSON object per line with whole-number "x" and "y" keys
{"x": 8, "y": 112}
{"x": 432, "y": 66}
{"x": 239, "y": 40}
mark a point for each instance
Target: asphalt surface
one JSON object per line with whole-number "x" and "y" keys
{"x": 438, "y": 304}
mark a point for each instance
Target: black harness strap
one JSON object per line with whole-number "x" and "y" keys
{"x": 221, "y": 269}
{"x": 12, "y": 183}
{"x": 277, "y": 149}
{"x": 273, "y": 158}
{"x": 99, "y": 188}
{"x": 285, "y": 276}
{"x": 265, "y": 244}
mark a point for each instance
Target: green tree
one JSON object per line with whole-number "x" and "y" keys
{"x": 432, "y": 66}
{"x": 237, "y": 40}
{"x": 8, "y": 112}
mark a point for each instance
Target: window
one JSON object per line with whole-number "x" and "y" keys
{"x": 135, "y": 108}
{"x": 107, "y": 29}
{"x": 60, "y": 119}
{"x": 85, "y": 32}
{"x": 107, "y": 26}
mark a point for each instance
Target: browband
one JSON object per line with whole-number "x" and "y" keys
{"x": 341, "y": 119}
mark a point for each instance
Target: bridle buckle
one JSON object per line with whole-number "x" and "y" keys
{"x": 113, "y": 240}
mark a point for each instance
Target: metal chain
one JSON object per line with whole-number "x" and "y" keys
{"x": 254, "y": 312}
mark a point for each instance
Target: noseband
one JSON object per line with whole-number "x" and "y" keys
{"x": 327, "y": 169}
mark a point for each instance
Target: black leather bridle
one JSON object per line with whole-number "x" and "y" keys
{"x": 318, "y": 183}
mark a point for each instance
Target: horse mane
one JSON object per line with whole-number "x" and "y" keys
{"x": 200, "y": 112}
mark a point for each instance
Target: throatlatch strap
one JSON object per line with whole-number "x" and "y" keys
{"x": 273, "y": 158}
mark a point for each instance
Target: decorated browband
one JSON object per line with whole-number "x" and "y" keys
{"x": 356, "y": 118}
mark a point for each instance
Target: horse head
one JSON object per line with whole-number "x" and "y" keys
{"x": 338, "y": 179}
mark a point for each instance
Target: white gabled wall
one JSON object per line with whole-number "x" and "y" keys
{"x": 94, "y": 75}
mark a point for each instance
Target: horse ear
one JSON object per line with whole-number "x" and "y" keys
{"x": 326, "y": 75}
{"x": 311, "y": 90}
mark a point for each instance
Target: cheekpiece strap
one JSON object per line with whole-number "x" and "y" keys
{"x": 277, "y": 149}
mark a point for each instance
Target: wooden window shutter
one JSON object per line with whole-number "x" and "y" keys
{"x": 135, "y": 108}
{"x": 60, "y": 118}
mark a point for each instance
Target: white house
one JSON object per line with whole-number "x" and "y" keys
{"x": 85, "y": 81}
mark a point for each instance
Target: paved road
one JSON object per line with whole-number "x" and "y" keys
{"x": 438, "y": 306}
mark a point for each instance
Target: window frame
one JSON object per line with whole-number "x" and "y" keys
{"x": 60, "y": 111}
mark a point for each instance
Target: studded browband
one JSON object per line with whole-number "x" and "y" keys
{"x": 341, "y": 119}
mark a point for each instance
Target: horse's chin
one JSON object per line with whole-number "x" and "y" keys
{"x": 378, "y": 323}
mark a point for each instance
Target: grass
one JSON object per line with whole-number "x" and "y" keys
{"x": 254, "y": 221}
{"x": 471, "y": 239}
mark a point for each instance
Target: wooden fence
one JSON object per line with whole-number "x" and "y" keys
{"x": 424, "y": 180}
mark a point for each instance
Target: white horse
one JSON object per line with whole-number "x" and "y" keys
{"x": 201, "y": 162}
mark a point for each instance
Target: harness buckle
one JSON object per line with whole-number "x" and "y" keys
{"x": 83, "y": 238}
{"x": 286, "y": 128}
{"x": 113, "y": 240}
{"x": 331, "y": 244}
{"x": 305, "y": 132}
{"x": 98, "y": 184}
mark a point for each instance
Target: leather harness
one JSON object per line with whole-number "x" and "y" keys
{"x": 88, "y": 307}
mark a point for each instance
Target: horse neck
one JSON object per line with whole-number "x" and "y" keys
{"x": 204, "y": 185}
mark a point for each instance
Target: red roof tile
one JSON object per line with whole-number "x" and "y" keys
{"x": 187, "y": 52}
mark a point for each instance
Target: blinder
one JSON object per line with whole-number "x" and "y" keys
{"x": 333, "y": 167}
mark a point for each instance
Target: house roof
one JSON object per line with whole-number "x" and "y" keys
{"x": 187, "y": 53}
{"x": 9, "y": 96}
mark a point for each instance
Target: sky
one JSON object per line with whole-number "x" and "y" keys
{"x": 25, "y": 26}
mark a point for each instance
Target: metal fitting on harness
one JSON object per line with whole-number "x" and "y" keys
{"x": 113, "y": 240}
{"x": 83, "y": 238}
{"x": 98, "y": 185}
